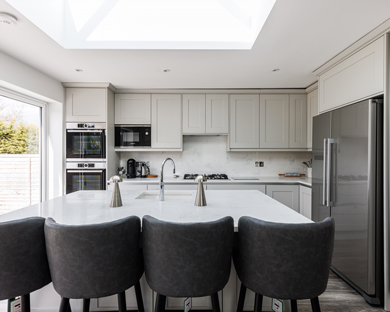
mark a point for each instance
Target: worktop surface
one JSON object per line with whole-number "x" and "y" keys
{"x": 89, "y": 207}
{"x": 260, "y": 180}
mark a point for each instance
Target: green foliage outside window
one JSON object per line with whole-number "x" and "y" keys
{"x": 18, "y": 138}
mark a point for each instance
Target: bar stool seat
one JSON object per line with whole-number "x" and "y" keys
{"x": 93, "y": 261}
{"x": 283, "y": 261}
{"x": 23, "y": 261}
{"x": 187, "y": 259}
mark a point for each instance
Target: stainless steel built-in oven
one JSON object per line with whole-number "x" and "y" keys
{"x": 84, "y": 176}
{"x": 132, "y": 136}
{"x": 85, "y": 141}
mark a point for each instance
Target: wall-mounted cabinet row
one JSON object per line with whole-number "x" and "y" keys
{"x": 268, "y": 121}
{"x": 252, "y": 121}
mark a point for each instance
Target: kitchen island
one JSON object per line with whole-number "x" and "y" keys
{"x": 89, "y": 207}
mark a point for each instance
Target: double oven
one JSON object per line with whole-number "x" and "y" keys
{"x": 85, "y": 156}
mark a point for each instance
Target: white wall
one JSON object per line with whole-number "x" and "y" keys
{"x": 207, "y": 154}
{"x": 21, "y": 78}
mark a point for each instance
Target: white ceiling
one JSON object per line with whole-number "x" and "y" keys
{"x": 298, "y": 37}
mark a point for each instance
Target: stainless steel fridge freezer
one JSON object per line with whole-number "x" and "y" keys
{"x": 347, "y": 185}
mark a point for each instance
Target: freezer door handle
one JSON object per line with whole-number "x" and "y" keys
{"x": 324, "y": 193}
{"x": 329, "y": 166}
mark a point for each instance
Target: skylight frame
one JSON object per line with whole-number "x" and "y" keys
{"x": 61, "y": 21}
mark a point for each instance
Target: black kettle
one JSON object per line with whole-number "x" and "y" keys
{"x": 131, "y": 169}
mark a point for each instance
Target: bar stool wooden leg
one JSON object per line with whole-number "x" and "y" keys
{"x": 122, "y": 302}
{"x": 160, "y": 303}
{"x": 315, "y": 305}
{"x": 86, "y": 303}
{"x": 294, "y": 306}
{"x": 138, "y": 296}
{"x": 241, "y": 299}
{"x": 215, "y": 302}
{"x": 258, "y": 302}
{"x": 64, "y": 306}
{"x": 26, "y": 303}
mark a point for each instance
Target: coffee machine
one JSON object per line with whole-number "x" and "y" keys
{"x": 131, "y": 168}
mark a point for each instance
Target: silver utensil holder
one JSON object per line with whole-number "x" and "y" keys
{"x": 116, "y": 200}
{"x": 200, "y": 199}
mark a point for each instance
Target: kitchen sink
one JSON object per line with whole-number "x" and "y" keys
{"x": 167, "y": 195}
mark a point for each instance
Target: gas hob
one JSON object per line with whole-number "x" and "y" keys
{"x": 214, "y": 176}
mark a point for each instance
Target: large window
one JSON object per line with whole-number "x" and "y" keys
{"x": 20, "y": 153}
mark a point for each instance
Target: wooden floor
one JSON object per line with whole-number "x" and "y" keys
{"x": 339, "y": 297}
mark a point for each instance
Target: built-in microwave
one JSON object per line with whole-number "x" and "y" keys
{"x": 127, "y": 136}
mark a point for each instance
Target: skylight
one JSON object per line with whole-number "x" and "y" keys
{"x": 149, "y": 24}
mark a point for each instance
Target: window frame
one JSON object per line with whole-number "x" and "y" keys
{"x": 43, "y": 135}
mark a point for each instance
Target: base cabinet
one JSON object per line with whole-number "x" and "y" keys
{"x": 199, "y": 303}
{"x": 305, "y": 201}
{"x": 233, "y": 187}
{"x": 286, "y": 194}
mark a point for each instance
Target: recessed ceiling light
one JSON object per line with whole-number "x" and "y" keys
{"x": 167, "y": 70}
{"x": 276, "y": 69}
{"x": 79, "y": 70}
{"x": 8, "y": 19}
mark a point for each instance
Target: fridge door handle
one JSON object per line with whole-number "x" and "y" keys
{"x": 324, "y": 195}
{"x": 329, "y": 171}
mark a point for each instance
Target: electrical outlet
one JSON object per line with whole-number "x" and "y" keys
{"x": 261, "y": 163}
{"x": 257, "y": 164}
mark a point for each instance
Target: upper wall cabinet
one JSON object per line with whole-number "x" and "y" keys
{"x": 268, "y": 122}
{"x": 132, "y": 109}
{"x": 312, "y": 110}
{"x": 205, "y": 113}
{"x": 166, "y": 121}
{"x": 194, "y": 114}
{"x": 359, "y": 76}
{"x": 244, "y": 121}
{"x": 274, "y": 120}
{"x": 298, "y": 121}
{"x": 86, "y": 104}
{"x": 217, "y": 113}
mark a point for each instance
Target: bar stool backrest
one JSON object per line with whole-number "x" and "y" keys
{"x": 92, "y": 261}
{"x": 284, "y": 261}
{"x": 187, "y": 259}
{"x": 23, "y": 261}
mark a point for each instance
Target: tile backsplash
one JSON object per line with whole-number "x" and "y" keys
{"x": 207, "y": 154}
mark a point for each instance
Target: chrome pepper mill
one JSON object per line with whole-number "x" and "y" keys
{"x": 116, "y": 200}
{"x": 200, "y": 196}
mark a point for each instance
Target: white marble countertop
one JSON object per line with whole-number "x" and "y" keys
{"x": 261, "y": 180}
{"x": 89, "y": 207}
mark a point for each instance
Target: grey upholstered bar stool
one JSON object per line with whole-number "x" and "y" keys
{"x": 93, "y": 261}
{"x": 283, "y": 261}
{"x": 187, "y": 259}
{"x": 23, "y": 261}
